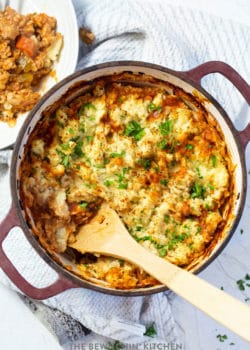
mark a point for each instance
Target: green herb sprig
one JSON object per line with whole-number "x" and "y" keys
{"x": 134, "y": 129}
{"x": 151, "y": 330}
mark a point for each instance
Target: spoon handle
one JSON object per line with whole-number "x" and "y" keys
{"x": 222, "y": 307}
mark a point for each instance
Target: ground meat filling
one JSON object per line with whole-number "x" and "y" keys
{"x": 29, "y": 46}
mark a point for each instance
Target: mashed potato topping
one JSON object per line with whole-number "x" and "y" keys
{"x": 152, "y": 152}
{"x": 29, "y": 46}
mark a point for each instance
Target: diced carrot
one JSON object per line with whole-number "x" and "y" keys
{"x": 27, "y": 45}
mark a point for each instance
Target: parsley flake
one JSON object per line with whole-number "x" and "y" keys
{"x": 162, "y": 144}
{"x": 214, "y": 160}
{"x": 151, "y": 331}
{"x": 78, "y": 149}
{"x": 241, "y": 284}
{"x": 163, "y": 182}
{"x": 133, "y": 129}
{"x": 85, "y": 105}
{"x": 117, "y": 155}
{"x": 152, "y": 107}
{"x": 198, "y": 191}
{"x": 221, "y": 338}
{"x": 83, "y": 205}
{"x": 108, "y": 183}
{"x": 64, "y": 158}
{"x": 166, "y": 127}
{"x": 145, "y": 163}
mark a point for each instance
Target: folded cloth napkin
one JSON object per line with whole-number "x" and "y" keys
{"x": 157, "y": 32}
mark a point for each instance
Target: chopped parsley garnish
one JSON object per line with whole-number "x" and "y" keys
{"x": 189, "y": 147}
{"x": 145, "y": 163}
{"x": 83, "y": 205}
{"x": 78, "y": 149}
{"x": 152, "y": 107}
{"x": 90, "y": 138}
{"x": 65, "y": 146}
{"x": 207, "y": 206}
{"x": 108, "y": 183}
{"x": 71, "y": 131}
{"x": 242, "y": 283}
{"x": 151, "y": 331}
{"x": 86, "y": 105}
{"x": 162, "y": 144}
{"x": 198, "y": 191}
{"x": 163, "y": 182}
{"x": 214, "y": 160}
{"x": 166, "y": 219}
{"x": 117, "y": 155}
{"x": 198, "y": 230}
{"x": 144, "y": 238}
{"x": 211, "y": 187}
{"x": 102, "y": 165}
{"x": 221, "y": 338}
{"x": 87, "y": 160}
{"x": 82, "y": 126}
{"x": 64, "y": 158}
{"x": 67, "y": 191}
{"x": 175, "y": 239}
{"x": 122, "y": 183}
{"x": 197, "y": 169}
{"x": 162, "y": 249}
{"x": 166, "y": 127}
{"x": 163, "y": 252}
{"x": 133, "y": 129}
{"x": 75, "y": 139}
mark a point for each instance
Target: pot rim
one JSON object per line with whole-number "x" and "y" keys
{"x": 33, "y": 240}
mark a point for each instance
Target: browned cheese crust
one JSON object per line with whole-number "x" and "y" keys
{"x": 152, "y": 152}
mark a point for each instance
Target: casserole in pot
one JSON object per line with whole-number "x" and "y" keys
{"x": 149, "y": 149}
{"x": 152, "y": 143}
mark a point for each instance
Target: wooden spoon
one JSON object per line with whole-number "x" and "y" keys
{"x": 107, "y": 235}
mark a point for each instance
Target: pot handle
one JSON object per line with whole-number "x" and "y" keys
{"x": 60, "y": 285}
{"x": 197, "y": 73}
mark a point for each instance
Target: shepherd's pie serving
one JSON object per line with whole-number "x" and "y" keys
{"x": 29, "y": 46}
{"x": 151, "y": 151}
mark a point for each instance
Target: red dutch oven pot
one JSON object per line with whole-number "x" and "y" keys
{"x": 189, "y": 81}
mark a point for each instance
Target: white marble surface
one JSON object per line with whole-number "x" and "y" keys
{"x": 20, "y": 329}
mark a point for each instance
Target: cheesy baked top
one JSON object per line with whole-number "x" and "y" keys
{"x": 151, "y": 151}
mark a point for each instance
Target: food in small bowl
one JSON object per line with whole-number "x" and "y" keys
{"x": 146, "y": 147}
{"x": 29, "y": 46}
